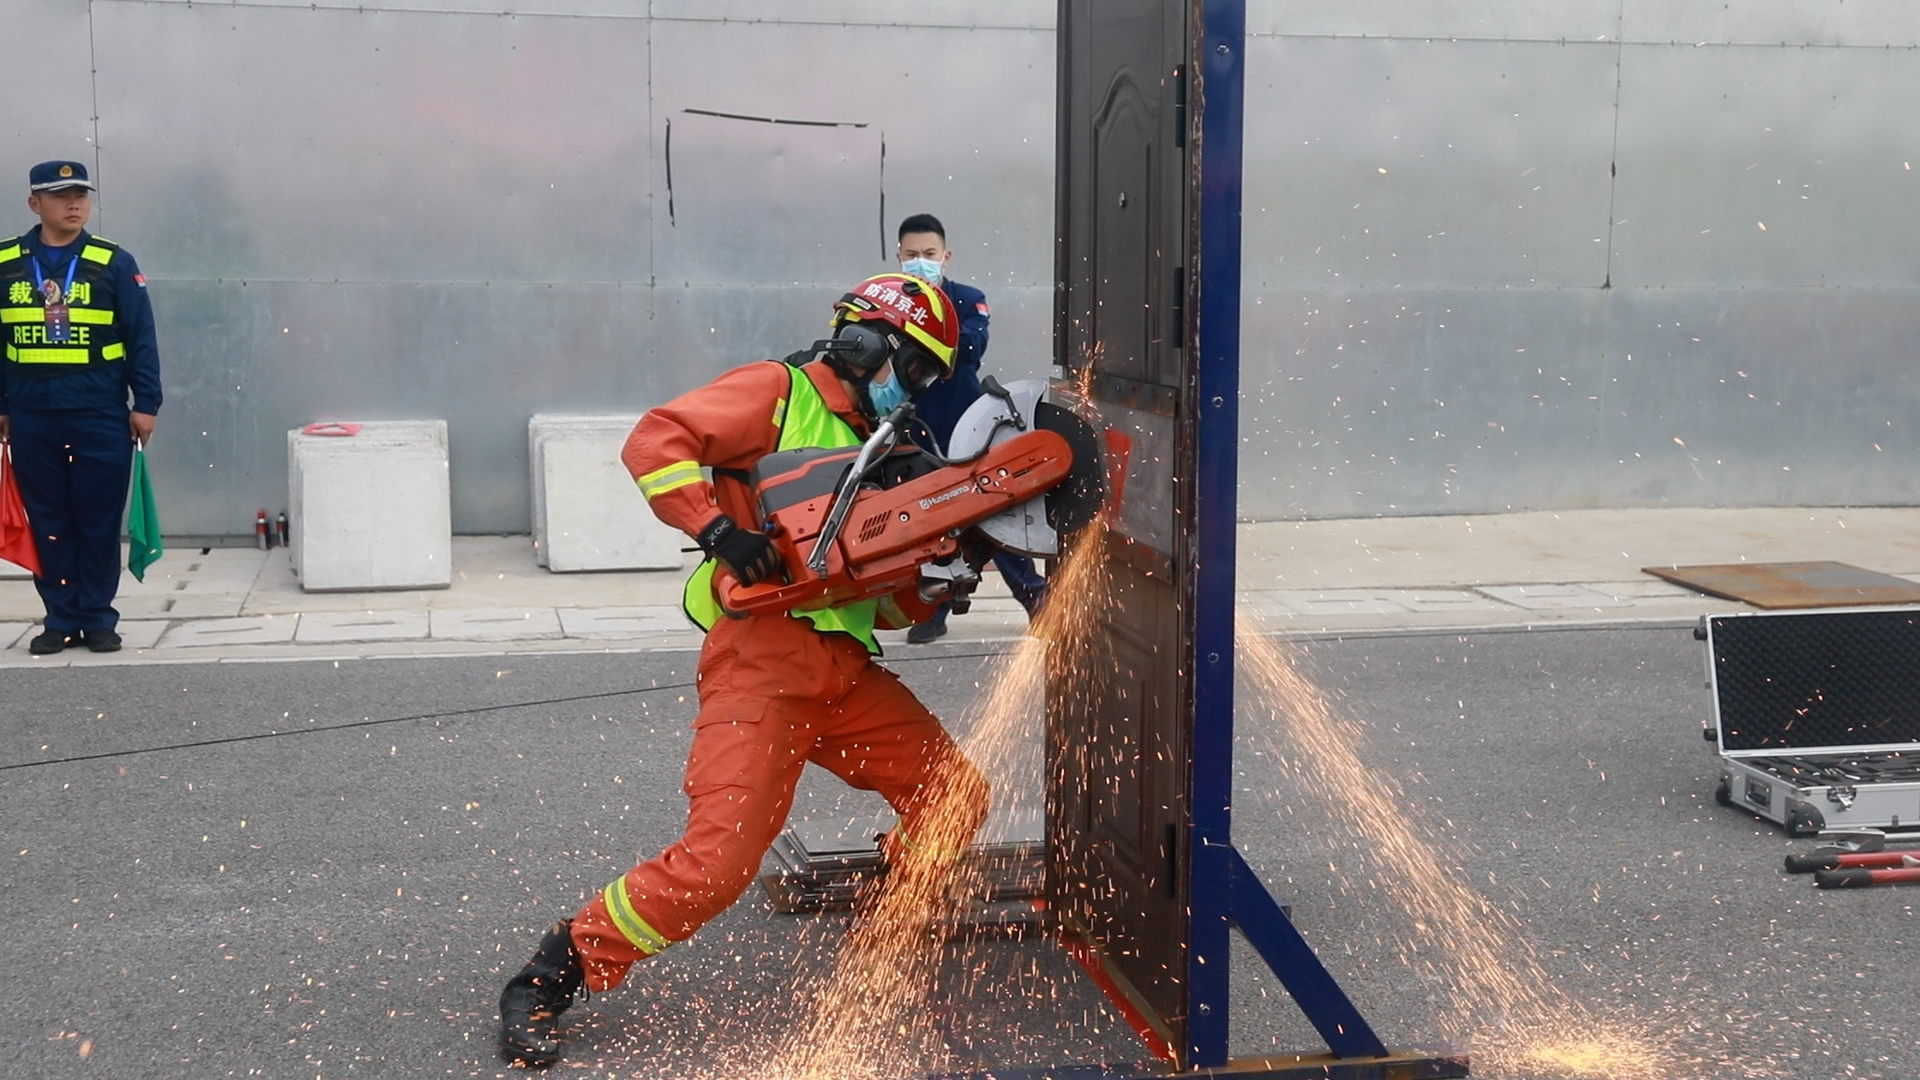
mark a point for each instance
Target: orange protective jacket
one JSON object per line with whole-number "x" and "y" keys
{"x": 729, "y": 424}
{"x": 775, "y": 695}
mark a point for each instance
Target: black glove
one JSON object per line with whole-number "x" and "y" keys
{"x": 750, "y": 555}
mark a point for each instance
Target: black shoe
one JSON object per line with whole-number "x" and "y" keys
{"x": 102, "y": 640}
{"x": 531, "y": 1005}
{"x": 50, "y": 642}
{"x": 926, "y": 632}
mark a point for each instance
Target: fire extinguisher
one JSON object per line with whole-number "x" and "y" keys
{"x": 261, "y": 538}
{"x": 285, "y": 530}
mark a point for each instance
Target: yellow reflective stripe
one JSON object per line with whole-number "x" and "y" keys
{"x": 936, "y": 302}
{"x": 628, "y": 921}
{"x": 934, "y": 345}
{"x": 698, "y": 601}
{"x": 113, "y": 352}
{"x": 813, "y": 424}
{"x": 10, "y": 253}
{"x": 677, "y": 475}
{"x": 807, "y": 424}
{"x": 810, "y": 423}
{"x": 51, "y": 356}
{"x": 780, "y": 412}
{"x": 855, "y": 620}
{"x": 101, "y": 255}
{"x": 95, "y": 316}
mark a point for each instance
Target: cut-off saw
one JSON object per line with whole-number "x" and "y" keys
{"x": 1022, "y": 470}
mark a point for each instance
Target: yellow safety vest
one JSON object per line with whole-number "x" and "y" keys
{"x": 806, "y": 423}
{"x": 92, "y": 337}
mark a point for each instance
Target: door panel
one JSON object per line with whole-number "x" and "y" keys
{"x": 1118, "y": 732}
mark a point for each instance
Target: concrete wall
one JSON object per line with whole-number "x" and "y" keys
{"x": 385, "y": 211}
{"x": 1500, "y": 254}
{"x": 1505, "y": 255}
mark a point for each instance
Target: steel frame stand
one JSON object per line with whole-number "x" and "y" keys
{"x": 1223, "y": 890}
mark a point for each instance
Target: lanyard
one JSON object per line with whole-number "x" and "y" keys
{"x": 55, "y": 313}
{"x": 40, "y": 281}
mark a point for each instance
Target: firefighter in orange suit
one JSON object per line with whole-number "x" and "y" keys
{"x": 776, "y": 690}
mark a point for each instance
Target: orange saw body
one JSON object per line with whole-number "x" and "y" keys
{"x": 888, "y": 533}
{"x": 872, "y": 519}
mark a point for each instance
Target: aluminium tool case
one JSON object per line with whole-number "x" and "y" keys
{"x": 1816, "y": 715}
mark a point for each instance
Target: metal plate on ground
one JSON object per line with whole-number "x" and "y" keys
{"x": 1792, "y": 584}
{"x": 821, "y": 866}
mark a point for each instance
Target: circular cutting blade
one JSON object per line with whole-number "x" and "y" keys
{"x": 1033, "y": 527}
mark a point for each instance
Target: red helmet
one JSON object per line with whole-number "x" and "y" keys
{"x": 910, "y": 305}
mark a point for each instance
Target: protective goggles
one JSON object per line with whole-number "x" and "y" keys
{"x": 916, "y": 368}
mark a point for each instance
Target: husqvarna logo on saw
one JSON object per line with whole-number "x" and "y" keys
{"x": 935, "y": 500}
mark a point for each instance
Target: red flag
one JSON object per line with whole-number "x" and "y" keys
{"x": 16, "y": 533}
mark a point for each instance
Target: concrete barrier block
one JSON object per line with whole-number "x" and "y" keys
{"x": 372, "y": 510}
{"x": 613, "y": 428}
{"x": 587, "y": 513}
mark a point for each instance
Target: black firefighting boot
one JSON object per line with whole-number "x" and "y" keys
{"x": 531, "y": 1005}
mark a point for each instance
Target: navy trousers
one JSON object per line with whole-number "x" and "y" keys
{"x": 1023, "y": 579}
{"x": 74, "y": 466}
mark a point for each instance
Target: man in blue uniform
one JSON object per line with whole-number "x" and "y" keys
{"x": 923, "y": 253}
{"x": 79, "y": 385}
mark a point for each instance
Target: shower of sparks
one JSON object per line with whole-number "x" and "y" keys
{"x": 1517, "y": 1019}
{"x": 867, "y": 1017}
{"x": 1491, "y": 967}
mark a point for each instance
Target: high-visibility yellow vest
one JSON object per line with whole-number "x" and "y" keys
{"x": 92, "y": 337}
{"x": 806, "y": 423}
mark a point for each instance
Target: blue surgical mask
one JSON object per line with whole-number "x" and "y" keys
{"x": 888, "y": 395}
{"x": 925, "y": 269}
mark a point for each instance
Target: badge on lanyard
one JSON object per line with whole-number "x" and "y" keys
{"x": 53, "y": 295}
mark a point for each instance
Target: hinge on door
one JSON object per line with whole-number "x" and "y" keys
{"x": 1180, "y": 105}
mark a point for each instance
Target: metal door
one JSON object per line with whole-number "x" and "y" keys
{"x": 1117, "y": 748}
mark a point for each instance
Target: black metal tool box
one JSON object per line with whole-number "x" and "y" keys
{"x": 1816, "y": 715}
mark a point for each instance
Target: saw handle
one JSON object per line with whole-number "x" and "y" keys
{"x": 743, "y": 601}
{"x": 1837, "y": 860}
{"x": 1843, "y": 879}
{"x": 878, "y": 444}
{"x": 725, "y": 585}
{"x": 1861, "y": 877}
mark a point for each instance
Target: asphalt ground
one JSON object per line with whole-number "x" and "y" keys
{"x": 328, "y": 868}
{"x": 1562, "y": 773}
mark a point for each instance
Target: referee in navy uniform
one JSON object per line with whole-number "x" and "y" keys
{"x": 80, "y": 385}
{"x": 924, "y": 253}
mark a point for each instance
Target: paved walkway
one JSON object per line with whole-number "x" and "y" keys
{"x": 1317, "y": 577}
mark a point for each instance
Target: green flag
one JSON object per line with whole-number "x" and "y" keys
{"x": 144, "y": 546}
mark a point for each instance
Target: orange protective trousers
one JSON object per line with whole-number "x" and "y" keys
{"x": 774, "y": 695}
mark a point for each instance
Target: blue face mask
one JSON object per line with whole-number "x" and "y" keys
{"x": 925, "y": 269}
{"x": 888, "y": 395}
